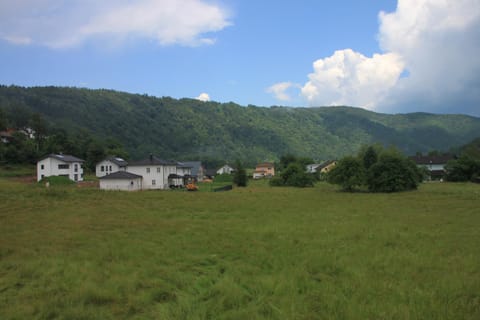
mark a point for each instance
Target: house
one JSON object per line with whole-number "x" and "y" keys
{"x": 435, "y": 164}
{"x": 323, "y": 167}
{"x": 6, "y": 136}
{"x": 264, "y": 170}
{"x": 154, "y": 171}
{"x": 121, "y": 180}
{"x": 60, "y": 165}
{"x": 197, "y": 169}
{"x": 181, "y": 177}
{"x": 226, "y": 169}
{"x": 110, "y": 165}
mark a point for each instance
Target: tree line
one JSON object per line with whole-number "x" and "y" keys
{"x": 30, "y": 136}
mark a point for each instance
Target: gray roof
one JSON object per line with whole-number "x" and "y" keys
{"x": 63, "y": 157}
{"x": 440, "y": 159}
{"x": 118, "y": 161}
{"x": 120, "y": 175}
{"x": 152, "y": 161}
{"x": 195, "y": 165}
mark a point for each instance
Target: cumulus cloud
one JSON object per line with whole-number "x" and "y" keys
{"x": 203, "y": 97}
{"x": 350, "y": 78}
{"x": 60, "y": 24}
{"x": 279, "y": 90}
{"x": 429, "y": 62}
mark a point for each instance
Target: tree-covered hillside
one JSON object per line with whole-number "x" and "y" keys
{"x": 191, "y": 129}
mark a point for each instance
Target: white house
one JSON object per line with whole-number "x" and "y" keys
{"x": 110, "y": 165}
{"x": 435, "y": 164}
{"x": 225, "y": 169}
{"x": 121, "y": 180}
{"x": 154, "y": 172}
{"x": 60, "y": 165}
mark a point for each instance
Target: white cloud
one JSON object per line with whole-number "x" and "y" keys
{"x": 60, "y": 24}
{"x": 279, "y": 90}
{"x": 433, "y": 43}
{"x": 350, "y": 78}
{"x": 203, "y": 97}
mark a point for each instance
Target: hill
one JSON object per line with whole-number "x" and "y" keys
{"x": 190, "y": 129}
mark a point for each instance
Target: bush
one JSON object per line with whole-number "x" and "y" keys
{"x": 393, "y": 173}
{"x": 349, "y": 173}
{"x": 295, "y": 176}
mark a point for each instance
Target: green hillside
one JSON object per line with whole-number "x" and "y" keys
{"x": 189, "y": 129}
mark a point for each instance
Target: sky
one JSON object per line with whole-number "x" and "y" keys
{"x": 382, "y": 55}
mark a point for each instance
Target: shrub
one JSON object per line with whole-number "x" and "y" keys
{"x": 349, "y": 173}
{"x": 393, "y": 173}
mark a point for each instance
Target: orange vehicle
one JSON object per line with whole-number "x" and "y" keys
{"x": 192, "y": 186}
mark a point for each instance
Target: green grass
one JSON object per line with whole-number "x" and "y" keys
{"x": 10, "y": 171}
{"x": 251, "y": 253}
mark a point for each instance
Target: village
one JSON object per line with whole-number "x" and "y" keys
{"x": 154, "y": 173}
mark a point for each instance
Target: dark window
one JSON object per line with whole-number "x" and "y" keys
{"x": 110, "y": 168}
{"x": 102, "y": 168}
{"x": 42, "y": 166}
{"x": 63, "y": 166}
{"x": 158, "y": 169}
{"x": 76, "y": 167}
{"x": 154, "y": 182}
{"x": 148, "y": 170}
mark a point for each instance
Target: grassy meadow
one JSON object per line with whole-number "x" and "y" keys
{"x": 252, "y": 253}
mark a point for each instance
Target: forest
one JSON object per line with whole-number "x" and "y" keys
{"x": 91, "y": 123}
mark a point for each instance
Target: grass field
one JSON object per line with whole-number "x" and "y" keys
{"x": 253, "y": 253}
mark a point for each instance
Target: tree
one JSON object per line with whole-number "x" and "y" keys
{"x": 392, "y": 173}
{"x": 370, "y": 157}
{"x": 349, "y": 173}
{"x": 465, "y": 168}
{"x": 39, "y": 127}
{"x": 240, "y": 176}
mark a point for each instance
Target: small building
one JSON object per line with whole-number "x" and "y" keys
{"x": 60, "y": 165}
{"x": 264, "y": 170}
{"x": 226, "y": 169}
{"x": 121, "y": 180}
{"x": 110, "y": 165}
{"x": 198, "y": 171}
{"x": 323, "y": 167}
{"x": 434, "y": 164}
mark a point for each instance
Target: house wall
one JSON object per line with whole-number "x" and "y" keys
{"x": 50, "y": 168}
{"x": 108, "y": 166}
{"x": 154, "y": 176}
{"x": 225, "y": 169}
{"x": 121, "y": 184}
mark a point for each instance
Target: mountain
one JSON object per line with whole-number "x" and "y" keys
{"x": 191, "y": 129}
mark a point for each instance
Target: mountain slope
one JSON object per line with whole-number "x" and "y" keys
{"x": 190, "y": 129}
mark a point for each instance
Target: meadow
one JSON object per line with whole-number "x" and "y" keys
{"x": 250, "y": 253}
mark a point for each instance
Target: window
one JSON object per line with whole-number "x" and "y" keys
{"x": 42, "y": 176}
{"x": 148, "y": 170}
{"x": 42, "y": 167}
{"x": 63, "y": 166}
{"x": 110, "y": 168}
{"x": 158, "y": 170}
{"x": 154, "y": 182}
{"x": 76, "y": 167}
{"x": 102, "y": 168}
{"x": 75, "y": 177}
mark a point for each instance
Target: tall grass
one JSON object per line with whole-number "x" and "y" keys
{"x": 252, "y": 253}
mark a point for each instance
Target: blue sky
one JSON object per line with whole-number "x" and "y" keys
{"x": 383, "y": 55}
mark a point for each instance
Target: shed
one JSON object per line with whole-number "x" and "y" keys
{"x": 121, "y": 180}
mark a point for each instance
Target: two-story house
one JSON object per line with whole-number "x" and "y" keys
{"x": 264, "y": 170}
{"x": 60, "y": 165}
{"x": 110, "y": 165}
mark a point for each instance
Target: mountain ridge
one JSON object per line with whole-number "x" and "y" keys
{"x": 189, "y": 128}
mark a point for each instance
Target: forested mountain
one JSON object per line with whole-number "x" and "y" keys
{"x": 191, "y": 129}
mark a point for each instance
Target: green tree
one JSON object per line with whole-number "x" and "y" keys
{"x": 240, "y": 175}
{"x": 370, "y": 157}
{"x": 392, "y": 173}
{"x": 349, "y": 173}
{"x": 465, "y": 168}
